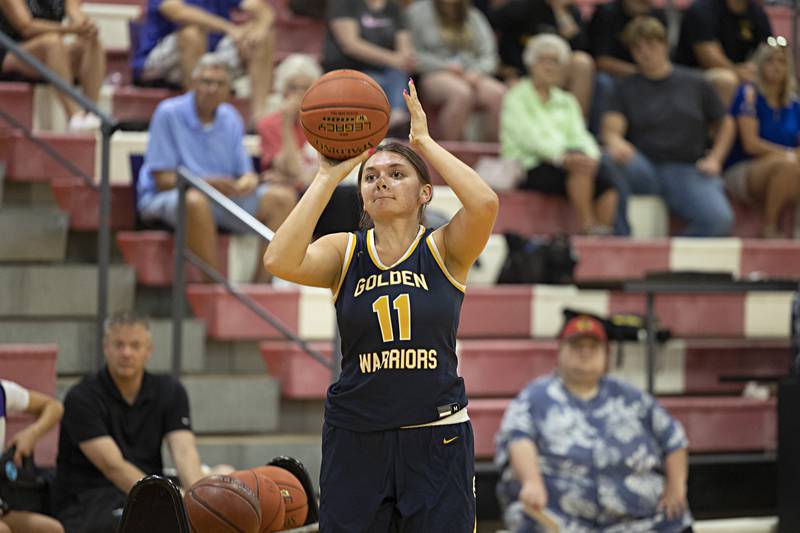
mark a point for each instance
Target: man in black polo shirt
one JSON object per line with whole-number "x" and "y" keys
{"x": 719, "y": 36}
{"x": 113, "y": 427}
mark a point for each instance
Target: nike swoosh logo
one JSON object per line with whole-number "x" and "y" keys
{"x": 448, "y": 441}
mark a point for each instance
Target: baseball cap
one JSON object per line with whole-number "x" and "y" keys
{"x": 584, "y": 326}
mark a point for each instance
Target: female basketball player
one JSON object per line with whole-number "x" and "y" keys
{"x": 397, "y": 446}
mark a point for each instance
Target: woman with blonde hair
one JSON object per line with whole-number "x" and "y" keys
{"x": 457, "y": 58}
{"x": 763, "y": 166}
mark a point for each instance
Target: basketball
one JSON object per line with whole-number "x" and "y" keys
{"x": 222, "y": 504}
{"x": 344, "y": 113}
{"x": 273, "y": 508}
{"x": 293, "y": 493}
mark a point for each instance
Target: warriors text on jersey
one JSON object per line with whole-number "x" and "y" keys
{"x": 398, "y": 327}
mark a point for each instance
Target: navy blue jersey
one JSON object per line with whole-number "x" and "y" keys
{"x": 398, "y": 327}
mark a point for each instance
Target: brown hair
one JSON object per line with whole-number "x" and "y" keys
{"x": 126, "y": 318}
{"x": 455, "y": 33}
{"x": 643, "y": 29}
{"x": 414, "y": 160}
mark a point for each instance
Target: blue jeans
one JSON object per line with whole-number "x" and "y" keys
{"x": 698, "y": 199}
{"x": 393, "y": 82}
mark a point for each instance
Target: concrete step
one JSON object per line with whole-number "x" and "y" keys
{"x": 34, "y": 367}
{"x": 76, "y": 342}
{"x": 38, "y": 234}
{"x": 233, "y": 403}
{"x": 255, "y": 450}
{"x": 61, "y": 290}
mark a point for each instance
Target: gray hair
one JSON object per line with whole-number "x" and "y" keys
{"x": 126, "y": 318}
{"x": 295, "y": 65}
{"x": 210, "y": 60}
{"x": 545, "y": 42}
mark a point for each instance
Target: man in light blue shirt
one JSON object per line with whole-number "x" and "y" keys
{"x": 202, "y": 132}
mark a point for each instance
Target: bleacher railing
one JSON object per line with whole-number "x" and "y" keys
{"x": 107, "y": 127}
{"x": 187, "y": 179}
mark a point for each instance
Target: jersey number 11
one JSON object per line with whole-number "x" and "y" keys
{"x": 402, "y": 304}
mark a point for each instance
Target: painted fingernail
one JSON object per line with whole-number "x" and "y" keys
{"x": 372, "y": 150}
{"x": 405, "y": 92}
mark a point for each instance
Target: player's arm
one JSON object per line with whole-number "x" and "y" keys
{"x": 184, "y": 14}
{"x": 48, "y": 412}
{"x": 183, "y": 449}
{"x": 291, "y": 255}
{"x": 461, "y": 240}
{"x": 106, "y": 456}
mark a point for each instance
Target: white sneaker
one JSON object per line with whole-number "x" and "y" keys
{"x": 82, "y": 122}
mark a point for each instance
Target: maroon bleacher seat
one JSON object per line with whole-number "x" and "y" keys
{"x": 27, "y": 162}
{"x": 713, "y": 424}
{"x": 34, "y": 367}
{"x": 16, "y": 99}
{"x": 150, "y": 253}
{"x": 83, "y": 204}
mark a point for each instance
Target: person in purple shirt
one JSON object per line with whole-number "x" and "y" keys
{"x": 201, "y": 132}
{"x": 763, "y": 165}
{"x": 175, "y": 33}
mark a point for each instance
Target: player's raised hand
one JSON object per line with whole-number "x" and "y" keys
{"x": 339, "y": 170}
{"x": 419, "y": 122}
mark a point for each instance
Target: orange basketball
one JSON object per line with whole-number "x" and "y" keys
{"x": 273, "y": 508}
{"x": 293, "y": 493}
{"x": 222, "y": 504}
{"x": 344, "y": 113}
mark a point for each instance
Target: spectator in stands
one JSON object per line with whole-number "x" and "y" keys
{"x": 590, "y": 451}
{"x": 39, "y": 28}
{"x": 176, "y": 33}
{"x": 287, "y": 157}
{"x": 371, "y": 36}
{"x": 517, "y": 21}
{"x": 719, "y": 36}
{"x": 457, "y": 59}
{"x": 763, "y": 166}
{"x": 657, "y": 129}
{"x": 114, "y": 424}
{"x": 541, "y": 127}
{"x": 17, "y": 399}
{"x": 605, "y": 34}
{"x": 200, "y": 131}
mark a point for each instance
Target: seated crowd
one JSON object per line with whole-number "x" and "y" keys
{"x": 595, "y": 111}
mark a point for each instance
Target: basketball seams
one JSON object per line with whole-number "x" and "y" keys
{"x": 370, "y": 82}
{"x": 205, "y": 505}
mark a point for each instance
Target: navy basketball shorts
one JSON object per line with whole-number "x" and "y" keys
{"x": 419, "y": 480}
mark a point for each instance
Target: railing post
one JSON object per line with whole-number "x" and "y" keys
{"x": 103, "y": 240}
{"x": 178, "y": 281}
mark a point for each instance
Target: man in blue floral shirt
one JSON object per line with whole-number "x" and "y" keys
{"x": 590, "y": 452}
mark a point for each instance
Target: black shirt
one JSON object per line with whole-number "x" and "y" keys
{"x": 605, "y": 30}
{"x": 712, "y": 20}
{"x": 519, "y": 20}
{"x": 378, "y": 27}
{"x": 39, "y": 9}
{"x": 95, "y": 408}
{"x": 668, "y": 119}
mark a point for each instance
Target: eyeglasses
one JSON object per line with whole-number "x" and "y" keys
{"x": 777, "y": 41}
{"x": 212, "y": 84}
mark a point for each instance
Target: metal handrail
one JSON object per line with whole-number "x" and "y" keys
{"x": 107, "y": 127}
{"x": 187, "y": 179}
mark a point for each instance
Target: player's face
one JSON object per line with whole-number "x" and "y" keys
{"x": 390, "y": 187}
{"x": 128, "y": 348}
{"x": 582, "y": 360}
